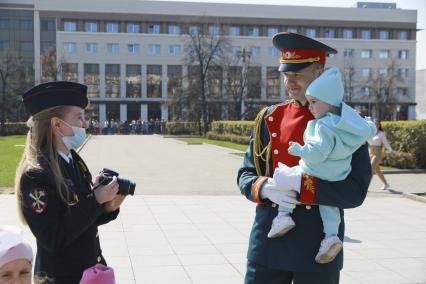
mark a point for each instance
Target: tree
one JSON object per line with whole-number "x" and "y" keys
{"x": 50, "y": 68}
{"x": 382, "y": 88}
{"x": 348, "y": 80}
{"x": 203, "y": 51}
{"x": 15, "y": 78}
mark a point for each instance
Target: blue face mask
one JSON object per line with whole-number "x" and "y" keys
{"x": 77, "y": 139}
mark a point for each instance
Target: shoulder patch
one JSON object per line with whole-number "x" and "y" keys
{"x": 38, "y": 200}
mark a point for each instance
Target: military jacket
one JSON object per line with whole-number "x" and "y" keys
{"x": 296, "y": 250}
{"x": 67, "y": 234}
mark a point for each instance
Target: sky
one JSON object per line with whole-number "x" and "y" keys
{"x": 419, "y": 5}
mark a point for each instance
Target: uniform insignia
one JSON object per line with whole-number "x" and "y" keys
{"x": 38, "y": 199}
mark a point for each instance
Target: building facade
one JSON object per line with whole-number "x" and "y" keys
{"x": 130, "y": 52}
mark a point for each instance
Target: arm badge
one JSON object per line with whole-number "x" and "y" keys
{"x": 38, "y": 200}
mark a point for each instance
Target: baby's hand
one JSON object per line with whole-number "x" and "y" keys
{"x": 294, "y": 148}
{"x": 291, "y": 143}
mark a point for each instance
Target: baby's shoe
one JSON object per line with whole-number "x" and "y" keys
{"x": 280, "y": 226}
{"x": 330, "y": 247}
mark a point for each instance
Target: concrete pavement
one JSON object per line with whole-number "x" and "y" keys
{"x": 181, "y": 229}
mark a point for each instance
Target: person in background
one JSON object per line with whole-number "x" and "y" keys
{"x": 16, "y": 257}
{"x": 375, "y": 149}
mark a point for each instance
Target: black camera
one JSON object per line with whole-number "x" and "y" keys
{"x": 125, "y": 186}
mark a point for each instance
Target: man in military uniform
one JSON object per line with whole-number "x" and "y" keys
{"x": 291, "y": 258}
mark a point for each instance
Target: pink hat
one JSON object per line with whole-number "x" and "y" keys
{"x": 13, "y": 245}
{"x": 98, "y": 274}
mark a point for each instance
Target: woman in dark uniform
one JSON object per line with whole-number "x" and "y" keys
{"x": 54, "y": 187}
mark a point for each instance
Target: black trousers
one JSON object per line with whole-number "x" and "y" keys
{"x": 259, "y": 274}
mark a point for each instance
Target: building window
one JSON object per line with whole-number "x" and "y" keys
{"x": 402, "y": 54}
{"x": 154, "y": 29}
{"x": 112, "y": 27}
{"x": 154, "y": 73}
{"x": 213, "y": 30}
{"x": 272, "y": 83}
{"x": 365, "y": 91}
{"x": 112, "y": 80}
{"x": 235, "y": 49}
{"x": 348, "y": 53}
{"x": 383, "y": 71}
{"x": 91, "y": 79}
{"x": 70, "y": 47}
{"x": 403, "y": 72}
{"x": 292, "y": 30}
{"x": 132, "y": 28}
{"x": 366, "y": 53}
{"x": 113, "y": 48}
{"x": 4, "y": 45}
{"x": 234, "y": 31}
{"x": 366, "y": 34}
{"x": 91, "y": 27}
{"x": 383, "y": 34}
{"x": 272, "y": 31}
{"x": 174, "y": 29}
{"x": 402, "y": 35}
{"x": 348, "y": 33}
{"x": 153, "y": 49}
{"x": 384, "y": 54}
{"x": 272, "y": 51}
{"x": 365, "y": 72}
{"x": 70, "y": 26}
{"x": 214, "y": 81}
{"x": 133, "y": 81}
{"x": 4, "y": 24}
{"x": 47, "y": 25}
{"x": 311, "y": 32}
{"x": 193, "y": 30}
{"x": 254, "y": 82}
{"x": 70, "y": 72}
{"x": 330, "y": 33}
{"x": 133, "y": 48}
{"x": 174, "y": 91}
{"x": 26, "y": 45}
{"x": 253, "y": 31}
{"x": 175, "y": 49}
{"x": 26, "y": 25}
{"x": 255, "y": 51}
{"x": 401, "y": 91}
{"x": 92, "y": 47}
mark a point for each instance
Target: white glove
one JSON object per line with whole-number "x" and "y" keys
{"x": 287, "y": 179}
{"x": 282, "y": 198}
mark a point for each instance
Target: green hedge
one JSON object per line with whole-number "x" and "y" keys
{"x": 16, "y": 128}
{"x": 183, "y": 128}
{"x": 408, "y": 139}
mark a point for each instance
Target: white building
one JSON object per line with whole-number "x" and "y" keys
{"x": 126, "y": 50}
{"x": 421, "y": 94}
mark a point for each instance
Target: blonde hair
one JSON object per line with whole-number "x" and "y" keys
{"x": 40, "y": 145}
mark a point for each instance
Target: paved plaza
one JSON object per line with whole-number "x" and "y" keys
{"x": 188, "y": 222}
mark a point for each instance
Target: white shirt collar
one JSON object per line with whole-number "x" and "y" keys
{"x": 67, "y": 158}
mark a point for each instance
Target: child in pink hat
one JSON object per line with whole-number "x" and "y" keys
{"x": 98, "y": 274}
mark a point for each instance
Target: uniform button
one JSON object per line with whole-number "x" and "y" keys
{"x": 99, "y": 259}
{"x": 274, "y": 205}
{"x": 274, "y": 134}
{"x": 97, "y": 234}
{"x": 276, "y": 151}
{"x": 308, "y": 207}
{"x": 270, "y": 118}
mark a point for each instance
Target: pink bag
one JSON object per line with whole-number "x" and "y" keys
{"x": 98, "y": 274}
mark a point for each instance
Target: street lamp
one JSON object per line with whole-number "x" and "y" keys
{"x": 245, "y": 59}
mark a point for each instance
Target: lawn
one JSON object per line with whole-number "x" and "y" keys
{"x": 11, "y": 148}
{"x": 231, "y": 145}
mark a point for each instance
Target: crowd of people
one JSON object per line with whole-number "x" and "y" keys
{"x": 138, "y": 127}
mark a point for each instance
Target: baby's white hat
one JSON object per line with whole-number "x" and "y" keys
{"x": 328, "y": 87}
{"x": 13, "y": 246}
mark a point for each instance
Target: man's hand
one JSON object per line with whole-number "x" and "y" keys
{"x": 283, "y": 198}
{"x": 287, "y": 179}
